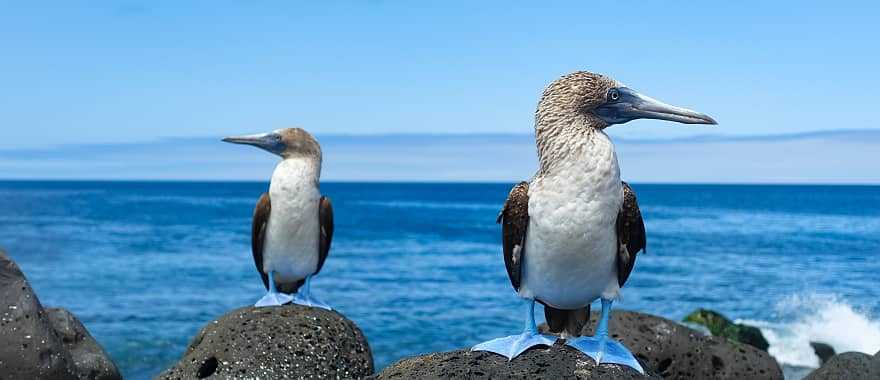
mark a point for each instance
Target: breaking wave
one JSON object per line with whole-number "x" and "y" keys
{"x": 818, "y": 318}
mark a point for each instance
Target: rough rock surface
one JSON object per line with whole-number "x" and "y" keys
{"x": 557, "y": 362}
{"x": 678, "y": 352}
{"x": 290, "y": 341}
{"x": 823, "y": 350}
{"x": 665, "y": 348}
{"x": 719, "y": 325}
{"x": 89, "y": 358}
{"x": 848, "y": 365}
{"x": 43, "y": 344}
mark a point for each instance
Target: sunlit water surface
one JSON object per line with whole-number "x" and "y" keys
{"x": 418, "y": 266}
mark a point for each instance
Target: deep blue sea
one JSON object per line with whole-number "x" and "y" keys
{"x": 418, "y": 266}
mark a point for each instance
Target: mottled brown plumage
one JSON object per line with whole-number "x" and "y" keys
{"x": 563, "y": 119}
{"x": 298, "y": 142}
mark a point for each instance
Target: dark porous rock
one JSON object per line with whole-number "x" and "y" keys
{"x": 557, "y": 362}
{"x": 678, "y": 352}
{"x": 665, "y": 348}
{"x": 290, "y": 341}
{"x": 823, "y": 350}
{"x": 31, "y": 349}
{"x": 42, "y": 343}
{"x": 89, "y": 358}
{"x": 719, "y": 325}
{"x": 848, "y": 365}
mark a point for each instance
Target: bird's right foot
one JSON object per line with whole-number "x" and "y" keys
{"x": 274, "y": 299}
{"x": 511, "y": 346}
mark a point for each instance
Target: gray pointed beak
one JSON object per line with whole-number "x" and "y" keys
{"x": 267, "y": 141}
{"x": 631, "y": 105}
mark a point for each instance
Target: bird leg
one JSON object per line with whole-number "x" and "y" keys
{"x": 511, "y": 346}
{"x": 602, "y": 348}
{"x": 304, "y": 296}
{"x": 273, "y": 297}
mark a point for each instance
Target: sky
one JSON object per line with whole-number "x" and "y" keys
{"x": 80, "y": 73}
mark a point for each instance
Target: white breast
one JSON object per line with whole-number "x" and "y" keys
{"x": 291, "y": 242}
{"x": 571, "y": 246}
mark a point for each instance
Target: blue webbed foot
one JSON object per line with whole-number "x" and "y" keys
{"x": 273, "y": 299}
{"x": 605, "y": 350}
{"x": 308, "y": 300}
{"x": 512, "y": 346}
{"x": 602, "y": 348}
{"x": 304, "y": 296}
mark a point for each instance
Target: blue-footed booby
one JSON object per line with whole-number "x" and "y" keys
{"x": 293, "y": 223}
{"x": 571, "y": 235}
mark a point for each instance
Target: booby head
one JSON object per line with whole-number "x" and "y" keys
{"x": 603, "y": 102}
{"x": 285, "y": 142}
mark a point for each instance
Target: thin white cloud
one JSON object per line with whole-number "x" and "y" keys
{"x": 817, "y": 157}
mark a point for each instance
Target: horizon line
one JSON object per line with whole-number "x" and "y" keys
{"x": 427, "y": 182}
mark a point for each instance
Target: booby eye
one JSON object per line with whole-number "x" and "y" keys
{"x": 613, "y": 95}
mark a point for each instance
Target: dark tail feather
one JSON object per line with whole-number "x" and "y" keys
{"x": 569, "y": 321}
{"x": 290, "y": 287}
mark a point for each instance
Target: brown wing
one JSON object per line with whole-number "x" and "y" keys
{"x": 325, "y": 218}
{"x": 514, "y": 219}
{"x": 258, "y": 234}
{"x": 630, "y": 234}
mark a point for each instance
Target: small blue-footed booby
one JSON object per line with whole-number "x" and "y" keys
{"x": 293, "y": 223}
{"x": 571, "y": 235}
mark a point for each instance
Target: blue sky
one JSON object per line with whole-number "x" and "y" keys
{"x": 83, "y": 72}
{"x": 83, "y": 82}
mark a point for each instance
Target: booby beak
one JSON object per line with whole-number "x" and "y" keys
{"x": 270, "y": 142}
{"x": 630, "y": 105}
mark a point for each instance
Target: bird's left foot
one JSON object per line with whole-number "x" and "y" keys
{"x": 273, "y": 299}
{"x": 605, "y": 350}
{"x": 310, "y": 301}
{"x": 511, "y": 346}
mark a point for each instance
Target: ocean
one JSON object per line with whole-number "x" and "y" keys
{"x": 418, "y": 265}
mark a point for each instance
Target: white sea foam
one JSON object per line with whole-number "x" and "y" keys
{"x": 818, "y": 318}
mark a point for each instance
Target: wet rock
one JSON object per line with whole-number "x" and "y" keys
{"x": 290, "y": 341}
{"x": 43, "y": 343}
{"x": 823, "y": 351}
{"x": 719, "y": 325}
{"x": 557, "y": 362}
{"x": 848, "y": 365}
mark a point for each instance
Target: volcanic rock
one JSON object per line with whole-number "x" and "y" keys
{"x": 289, "y": 341}
{"x": 43, "y": 343}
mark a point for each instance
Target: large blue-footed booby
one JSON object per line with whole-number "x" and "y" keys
{"x": 571, "y": 235}
{"x": 293, "y": 223}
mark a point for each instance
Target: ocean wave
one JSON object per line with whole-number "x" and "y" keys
{"x": 818, "y": 318}
{"x": 433, "y": 205}
{"x": 716, "y": 220}
{"x": 211, "y": 201}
